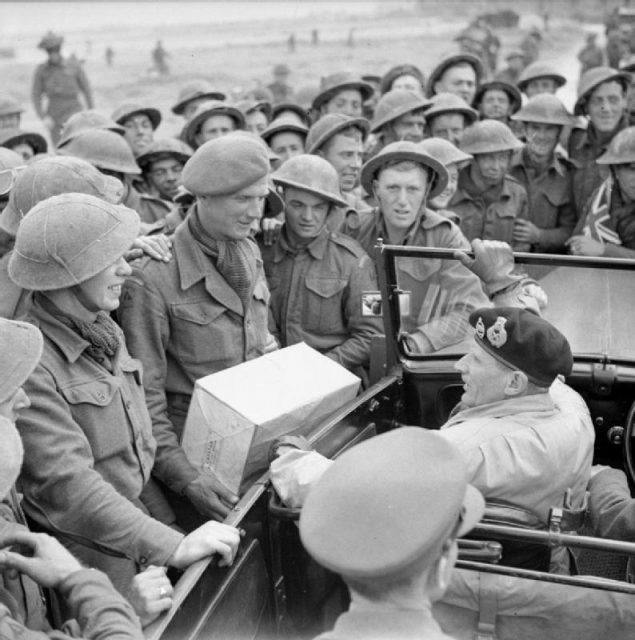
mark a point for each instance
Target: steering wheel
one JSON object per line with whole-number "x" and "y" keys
{"x": 627, "y": 444}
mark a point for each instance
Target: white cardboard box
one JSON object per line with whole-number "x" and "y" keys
{"x": 235, "y": 414}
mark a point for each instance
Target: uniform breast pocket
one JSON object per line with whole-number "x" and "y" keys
{"x": 203, "y": 332}
{"x": 97, "y": 407}
{"x": 323, "y": 312}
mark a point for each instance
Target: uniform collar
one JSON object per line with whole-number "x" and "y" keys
{"x": 317, "y": 247}
{"x": 467, "y": 190}
{"x": 590, "y": 137}
{"x": 194, "y": 265}
{"x": 521, "y": 159}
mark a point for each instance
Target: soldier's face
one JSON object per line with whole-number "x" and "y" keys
{"x": 401, "y": 194}
{"x": 459, "y": 80}
{"x": 345, "y": 154}
{"x": 495, "y": 104}
{"x": 541, "y": 138}
{"x": 305, "y": 214}
{"x": 606, "y": 106}
{"x": 540, "y": 85}
{"x": 409, "y": 127}
{"x": 102, "y": 291}
{"x": 491, "y": 167}
{"x": 407, "y": 82}
{"x": 449, "y": 126}
{"x": 441, "y": 201}
{"x": 231, "y": 217}
{"x": 287, "y": 144}
{"x": 348, "y": 102}
{"x": 138, "y": 132}
{"x": 190, "y": 108}
{"x": 214, "y": 127}
{"x": 256, "y": 122}
{"x": 484, "y": 377}
{"x": 165, "y": 176}
{"x": 625, "y": 174}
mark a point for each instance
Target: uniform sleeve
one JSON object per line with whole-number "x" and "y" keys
{"x": 37, "y": 90}
{"x": 143, "y": 316}
{"x": 555, "y": 238}
{"x": 355, "y": 350}
{"x": 523, "y": 214}
{"x": 84, "y": 87}
{"x": 64, "y": 492}
{"x": 617, "y": 251}
{"x": 611, "y": 507}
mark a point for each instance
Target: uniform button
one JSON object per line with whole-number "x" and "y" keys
{"x": 143, "y": 560}
{"x": 101, "y": 396}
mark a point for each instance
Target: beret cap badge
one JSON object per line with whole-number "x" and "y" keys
{"x": 496, "y": 334}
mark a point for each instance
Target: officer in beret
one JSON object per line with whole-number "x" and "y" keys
{"x": 207, "y": 309}
{"x": 386, "y": 516}
{"x": 37, "y": 561}
{"x": 526, "y": 437}
{"x": 317, "y": 277}
{"x": 61, "y": 82}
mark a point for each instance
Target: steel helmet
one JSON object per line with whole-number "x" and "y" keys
{"x": 489, "y": 136}
{"x": 248, "y": 106}
{"x": 445, "y": 152}
{"x": 284, "y": 123}
{"x": 83, "y": 120}
{"x": 386, "y": 81}
{"x": 103, "y": 149}
{"x": 451, "y": 61}
{"x": 513, "y": 94}
{"x": 544, "y": 108}
{"x": 537, "y": 70}
{"x": 394, "y": 104}
{"x": 165, "y": 148}
{"x": 11, "y": 137}
{"x": 206, "y": 110}
{"x": 129, "y": 109}
{"x": 621, "y": 149}
{"x": 10, "y": 106}
{"x": 592, "y": 79}
{"x": 330, "y": 124}
{"x": 295, "y": 108}
{"x": 69, "y": 238}
{"x": 336, "y": 82}
{"x": 406, "y": 151}
{"x": 51, "y": 177}
{"x": 442, "y": 103}
{"x": 312, "y": 174}
{"x": 193, "y": 91}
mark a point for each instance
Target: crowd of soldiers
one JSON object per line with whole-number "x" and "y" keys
{"x": 254, "y": 230}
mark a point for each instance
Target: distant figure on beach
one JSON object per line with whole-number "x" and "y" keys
{"x": 315, "y": 37}
{"x": 159, "y": 56}
{"x": 291, "y": 43}
{"x": 109, "y": 54}
{"x": 280, "y": 89}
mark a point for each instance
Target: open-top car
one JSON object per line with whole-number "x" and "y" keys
{"x": 274, "y": 590}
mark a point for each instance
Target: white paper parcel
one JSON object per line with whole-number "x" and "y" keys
{"x": 235, "y": 414}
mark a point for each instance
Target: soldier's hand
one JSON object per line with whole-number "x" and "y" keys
{"x": 210, "y": 497}
{"x": 270, "y": 228}
{"x": 210, "y": 538}
{"x": 525, "y": 231}
{"x": 150, "y": 594}
{"x": 585, "y": 246}
{"x": 48, "y": 563}
{"x": 158, "y": 247}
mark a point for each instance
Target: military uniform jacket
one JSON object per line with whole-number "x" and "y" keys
{"x": 89, "y": 452}
{"x": 550, "y": 195}
{"x": 184, "y": 321}
{"x": 493, "y": 221}
{"x": 442, "y": 292}
{"x": 316, "y": 296}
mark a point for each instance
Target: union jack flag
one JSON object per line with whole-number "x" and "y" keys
{"x": 598, "y": 224}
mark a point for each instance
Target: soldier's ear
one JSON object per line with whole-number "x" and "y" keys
{"x": 517, "y": 382}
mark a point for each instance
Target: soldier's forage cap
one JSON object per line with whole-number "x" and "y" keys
{"x": 83, "y": 120}
{"x": 537, "y": 70}
{"x": 295, "y": 108}
{"x": 544, "y": 108}
{"x": 50, "y": 41}
{"x": 513, "y": 94}
{"x": 11, "y": 137}
{"x": 621, "y": 149}
{"x": 489, "y": 136}
{"x": 284, "y": 123}
{"x": 523, "y": 340}
{"x": 20, "y": 349}
{"x": 445, "y": 152}
{"x": 405, "y": 151}
{"x": 104, "y": 149}
{"x": 129, "y": 109}
{"x": 389, "y": 503}
{"x": 333, "y": 84}
{"x": 165, "y": 148}
{"x": 248, "y": 106}
{"x": 10, "y": 106}
{"x": 311, "y": 174}
{"x": 69, "y": 238}
{"x": 592, "y": 79}
{"x": 51, "y": 177}
{"x": 193, "y": 91}
{"x": 206, "y": 110}
{"x": 394, "y": 104}
{"x": 443, "y": 103}
{"x": 396, "y": 72}
{"x": 329, "y": 125}
{"x": 226, "y": 165}
{"x": 452, "y": 61}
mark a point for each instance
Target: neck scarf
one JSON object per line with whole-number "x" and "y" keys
{"x": 229, "y": 256}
